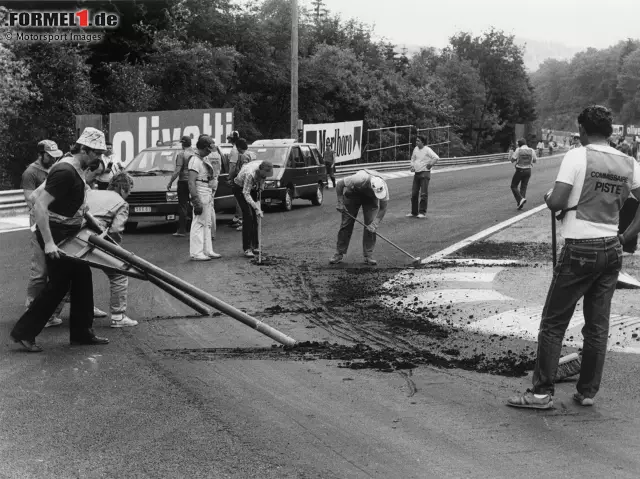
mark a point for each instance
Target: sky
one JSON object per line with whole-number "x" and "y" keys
{"x": 574, "y": 23}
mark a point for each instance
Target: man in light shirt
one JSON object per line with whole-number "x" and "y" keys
{"x": 591, "y": 187}
{"x": 523, "y": 158}
{"x": 422, "y": 160}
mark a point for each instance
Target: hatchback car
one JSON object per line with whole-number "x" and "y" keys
{"x": 150, "y": 202}
{"x": 298, "y": 171}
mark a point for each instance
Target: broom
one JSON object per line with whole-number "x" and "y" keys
{"x": 568, "y": 365}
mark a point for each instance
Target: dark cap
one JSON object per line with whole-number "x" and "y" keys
{"x": 186, "y": 140}
{"x": 204, "y": 142}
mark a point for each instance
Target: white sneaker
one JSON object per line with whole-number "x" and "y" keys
{"x": 214, "y": 255}
{"x": 408, "y": 215}
{"x": 200, "y": 258}
{"x": 98, "y": 313}
{"x": 122, "y": 320}
{"x": 422, "y": 216}
{"x": 249, "y": 254}
{"x": 53, "y": 321}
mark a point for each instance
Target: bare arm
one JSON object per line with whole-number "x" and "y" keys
{"x": 382, "y": 210}
{"x": 559, "y": 197}
{"x": 193, "y": 192}
{"x": 176, "y": 172}
{"x": 41, "y": 213}
{"x": 634, "y": 227}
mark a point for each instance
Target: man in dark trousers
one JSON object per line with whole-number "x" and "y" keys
{"x": 591, "y": 187}
{"x": 181, "y": 172}
{"x": 329, "y": 159}
{"x": 629, "y": 209}
{"x": 523, "y": 158}
{"x": 59, "y": 214}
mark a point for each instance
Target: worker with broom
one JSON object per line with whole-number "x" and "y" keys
{"x": 368, "y": 190}
{"x": 592, "y": 185}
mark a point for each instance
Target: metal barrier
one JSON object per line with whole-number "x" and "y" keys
{"x": 12, "y": 201}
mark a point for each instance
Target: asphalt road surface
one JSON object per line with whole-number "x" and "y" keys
{"x": 187, "y": 396}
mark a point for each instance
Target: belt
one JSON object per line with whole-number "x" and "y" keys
{"x": 203, "y": 181}
{"x": 608, "y": 239}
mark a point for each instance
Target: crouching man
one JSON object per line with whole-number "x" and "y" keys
{"x": 364, "y": 189}
{"x": 110, "y": 208}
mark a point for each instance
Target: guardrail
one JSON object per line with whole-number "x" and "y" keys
{"x": 12, "y": 201}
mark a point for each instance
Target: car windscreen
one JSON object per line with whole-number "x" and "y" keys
{"x": 153, "y": 162}
{"x": 277, "y": 155}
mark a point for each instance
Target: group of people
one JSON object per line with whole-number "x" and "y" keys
{"x": 197, "y": 171}
{"x": 58, "y": 189}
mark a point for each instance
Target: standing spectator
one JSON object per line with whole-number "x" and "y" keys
{"x": 233, "y": 159}
{"x": 112, "y": 167}
{"x": 329, "y": 158}
{"x": 590, "y": 260}
{"x": 552, "y": 145}
{"x": 200, "y": 186}
{"x": 540, "y": 148}
{"x": 246, "y": 186}
{"x": 364, "y": 189}
{"x": 110, "y": 208}
{"x": 215, "y": 159}
{"x": 34, "y": 176}
{"x": 59, "y": 213}
{"x": 234, "y": 170}
{"x": 181, "y": 172}
{"x": 422, "y": 160}
{"x": 523, "y": 158}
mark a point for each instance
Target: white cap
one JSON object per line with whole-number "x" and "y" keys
{"x": 379, "y": 187}
{"x": 93, "y": 138}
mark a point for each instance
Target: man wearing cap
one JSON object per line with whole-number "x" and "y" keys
{"x": 575, "y": 142}
{"x": 59, "y": 214}
{"x": 181, "y": 172}
{"x": 367, "y": 189}
{"x": 112, "y": 168}
{"x": 201, "y": 178}
{"x": 36, "y": 174}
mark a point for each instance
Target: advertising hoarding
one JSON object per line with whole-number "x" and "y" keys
{"x": 345, "y": 138}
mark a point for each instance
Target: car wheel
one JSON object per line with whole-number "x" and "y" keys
{"x": 131, "y": 226}
{"x": 317, "y": 200}
{"x": 287, "y": 203}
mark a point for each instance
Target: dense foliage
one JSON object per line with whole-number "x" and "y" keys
{"x": 173, "y": 54}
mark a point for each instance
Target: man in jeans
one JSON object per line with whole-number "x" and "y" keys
{"x": 422, "y": 160}
{"x": 591, "y": 186}
{"x": 182, "y": 173}
{"x": 524, "y": 158}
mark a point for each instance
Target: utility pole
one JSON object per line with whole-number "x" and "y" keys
{"x": 294, "y": 69}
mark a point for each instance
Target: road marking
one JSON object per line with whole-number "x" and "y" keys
{"x": 448, "y": 296}
{"x": 14, "y": 223}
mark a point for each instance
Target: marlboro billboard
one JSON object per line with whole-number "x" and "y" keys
{"x": 131, "y": 133}
{"x": 345, "y": 138}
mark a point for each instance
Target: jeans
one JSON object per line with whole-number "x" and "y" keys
{"x": 520, "y": 177}
{"x": 200, "y": 236}
{"x": 627, "y": 213}
{"x": 38, "y": 274}
{"x": 64, "y": 275}
{"x": 249, "y": 219}
{"x": 369, "y": 211}
{"x": 420, "y": 191}
{"x": 183, "y": 206}
{"x": 118, "y": 284}
{"x": 331, "y": 173}
{"x": 586, "y": 269}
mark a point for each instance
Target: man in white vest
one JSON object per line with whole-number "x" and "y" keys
{"x": 592, "y": 185}
{"x": 523, "y": 158}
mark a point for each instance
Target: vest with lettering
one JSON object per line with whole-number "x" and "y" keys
{"x": 525, "y": 157}
{"x": 607, "y": 184}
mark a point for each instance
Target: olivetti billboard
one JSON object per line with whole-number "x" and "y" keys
{"x": 131, "y": 133}
{"x": 345, "y": 138}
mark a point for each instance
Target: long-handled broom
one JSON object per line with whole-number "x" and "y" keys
{"x": 568, "y": 365}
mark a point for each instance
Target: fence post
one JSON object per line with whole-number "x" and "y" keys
{"x": 395, "y": 142}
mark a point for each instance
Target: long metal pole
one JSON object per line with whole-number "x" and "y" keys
{"x": 197, "y": 293}
{"x": 553, "y": 238}
{"x": 294, "y": 69}
{"x": 179, "y": 295}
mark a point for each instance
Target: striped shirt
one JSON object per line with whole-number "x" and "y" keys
{"x": 249, "y": 180}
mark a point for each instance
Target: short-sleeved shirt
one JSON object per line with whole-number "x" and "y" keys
{"x": 329, "y": 156}
{"x": 524, "y": 157}
{"x": 67, "y": 187}
{"x": 182, "y": 162}
{"x": 33, "y": 176}
{"x": 204, "y": 173}
{"x": 572, "y": 172}
{"x": 360, "y": 183}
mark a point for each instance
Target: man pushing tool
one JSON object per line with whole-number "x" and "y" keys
{"x": 367, "y": 189}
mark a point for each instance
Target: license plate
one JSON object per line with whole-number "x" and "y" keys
{"x": 142, "y": 209}
{"x": 267, "y": 200}
{"x": 171, "y": 217}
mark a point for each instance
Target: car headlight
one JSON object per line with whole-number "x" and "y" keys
{"x": 272, "y": 184}
{"x": 172, "y": 196}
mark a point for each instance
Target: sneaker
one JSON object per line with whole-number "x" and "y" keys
{"x": 239, "y": 228}
{"x": 28, "y": 344}
{"x": 214, "y": 255}
{"x": 522, "y": 202}
{"x": 179, "y": 234}
{"x": 528, "y": 400}
{"x": 235, "y": 219}
{"x": 53, "y": 321}
{"x": 337, "y": 258}
{"x": 200, "y": 258}
{"x": 409, "y": 215}
{"x": 98, "y": 313}
{"x": 122, "y": 320}
{"x": 370, "y": 261}
{"x": 249, "y": 254}
{"x": 422, "y": 215}
{"x": 583, "y": 401}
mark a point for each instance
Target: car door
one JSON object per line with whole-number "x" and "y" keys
{"x": 311, "y": 167}
{"x": 224, "y": 199}
{"x": 322, "y": 170}
{"x": 298, "y": 171}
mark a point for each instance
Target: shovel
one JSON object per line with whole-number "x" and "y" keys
{"x": 260, "y": 230}
{"x": 416, "y": 259}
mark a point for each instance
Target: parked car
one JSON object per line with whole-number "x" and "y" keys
{"x": 298, "y": 171}
{"x": 150, "y": 202}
